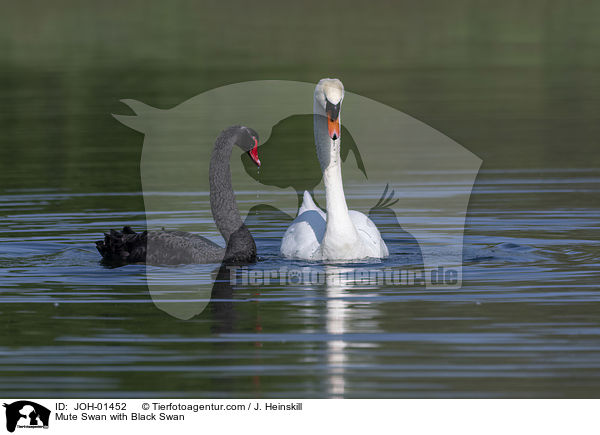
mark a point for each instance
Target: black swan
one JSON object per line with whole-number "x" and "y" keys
{"x": 178, "y": 247}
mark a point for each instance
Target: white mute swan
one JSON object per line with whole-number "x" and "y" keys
{"x": 340, "y": 234}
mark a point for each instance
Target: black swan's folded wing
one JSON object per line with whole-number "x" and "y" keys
{"x": 158, "y": 248}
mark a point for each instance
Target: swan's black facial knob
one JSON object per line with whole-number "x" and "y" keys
{"x": 333, "y": 122}
{"x": 332, "y": 110}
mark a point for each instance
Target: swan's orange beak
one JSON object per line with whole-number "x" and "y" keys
{"x": 333, "y": 125}
{"x": 254, "y": 153}
{"x": 333, "y": 119}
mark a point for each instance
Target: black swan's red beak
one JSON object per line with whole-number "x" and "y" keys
{"x": 254, "y": 153}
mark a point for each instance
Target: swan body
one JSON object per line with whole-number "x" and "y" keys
{"x": 166, "y": 247}
{"x": 338, "y": 234}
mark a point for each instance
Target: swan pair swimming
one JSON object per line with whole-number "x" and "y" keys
{"x": 338, "y": 234}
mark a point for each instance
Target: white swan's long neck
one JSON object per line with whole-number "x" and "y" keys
{"x": 328, "y": 152}
{"x": 337, "y": 209}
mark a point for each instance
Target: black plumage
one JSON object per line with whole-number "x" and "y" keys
{"x": 168, "y": 247}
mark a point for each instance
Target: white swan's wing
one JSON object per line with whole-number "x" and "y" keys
{"x": 369, "y": 234}
{"x": 303, "y": 237}
{"x": 309, "y": 204}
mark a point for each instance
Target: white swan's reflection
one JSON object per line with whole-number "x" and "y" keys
{"x": 342, "y": 316}
{"x": 338, "y": 281}
{"x": 337, "y": 318}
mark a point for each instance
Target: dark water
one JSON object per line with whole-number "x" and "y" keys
{"x": 524, "y": 324}
{"x": 516, "y": 85}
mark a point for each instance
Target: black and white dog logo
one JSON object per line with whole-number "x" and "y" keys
{"x": 26, "y": 414}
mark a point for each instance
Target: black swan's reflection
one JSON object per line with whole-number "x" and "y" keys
{"x": 221, "y": 306}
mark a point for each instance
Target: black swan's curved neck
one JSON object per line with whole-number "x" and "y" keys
{"x": 223, "y": 204}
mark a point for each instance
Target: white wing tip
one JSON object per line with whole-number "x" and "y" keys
{"x": 307, "y": 203}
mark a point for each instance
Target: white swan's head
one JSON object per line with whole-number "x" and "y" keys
{"x": 329, "y": 94}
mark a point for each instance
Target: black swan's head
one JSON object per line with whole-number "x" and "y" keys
{"x": 247, "y": 140}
